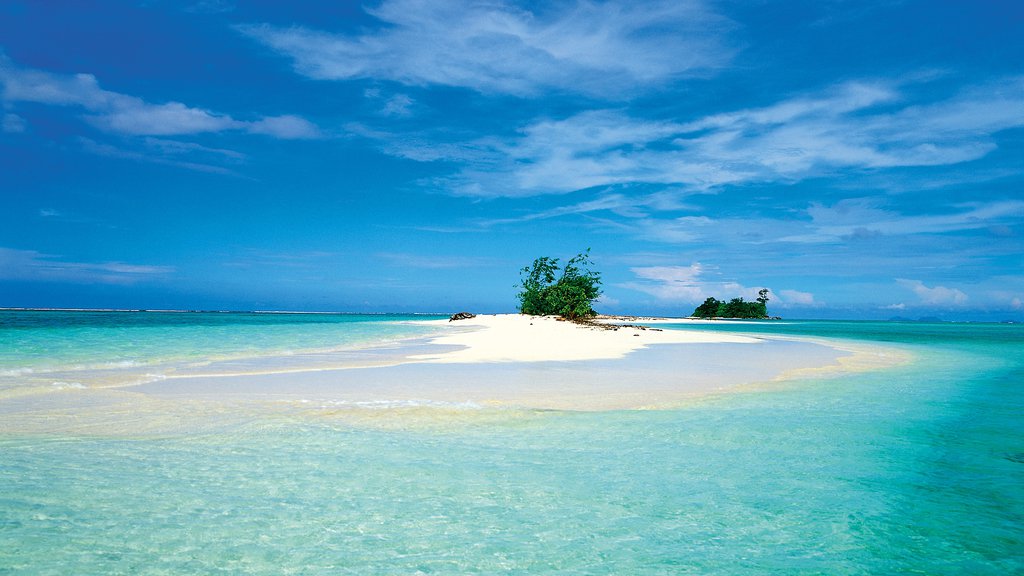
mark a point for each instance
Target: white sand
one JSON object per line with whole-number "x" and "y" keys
{"x": 505, "y": 361}
{"x": 519, "y": 338}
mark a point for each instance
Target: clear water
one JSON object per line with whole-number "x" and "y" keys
{"x": 40, "y": 350}
{"x": 915, "y": 469}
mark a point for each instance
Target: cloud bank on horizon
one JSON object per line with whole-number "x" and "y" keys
{"x": 857, "y": 159}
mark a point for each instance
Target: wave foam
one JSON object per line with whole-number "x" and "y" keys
{"x": 17, "y": 372}
{"x": 69, "y": 386}
{"x": 393, "y": 404}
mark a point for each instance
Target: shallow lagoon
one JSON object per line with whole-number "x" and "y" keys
{"x": 912, "y": 468}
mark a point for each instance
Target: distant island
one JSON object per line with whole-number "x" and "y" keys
{"x": 735, "y": 308}
{"x": 570, "y": 292}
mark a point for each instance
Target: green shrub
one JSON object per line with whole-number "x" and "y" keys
{"x": 543, "y": 291}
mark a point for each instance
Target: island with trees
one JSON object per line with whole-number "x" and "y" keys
{"x": 545, "y": 289}
{"x": 735, "y": 308}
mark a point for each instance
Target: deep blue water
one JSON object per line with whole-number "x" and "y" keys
{"x": 916, "y": 468}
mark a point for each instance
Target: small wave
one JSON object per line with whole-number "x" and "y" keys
{"x": 393, "y": 404}
{"x": 115, "y": 365}
{"x": 17, "y": 372}
{"x": 69, "y": 386}
{"x": 121, "y": 364}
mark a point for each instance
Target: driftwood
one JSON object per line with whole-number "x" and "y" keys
{"x": 462, "y": 316}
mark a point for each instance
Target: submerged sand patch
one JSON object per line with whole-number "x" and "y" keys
{"x": 505, "y": 362}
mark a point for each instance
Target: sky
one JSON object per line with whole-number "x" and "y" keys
{"x": 859, "y": 159}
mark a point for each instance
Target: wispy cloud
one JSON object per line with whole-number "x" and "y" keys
{"x": 796, "y": 297}
{"x": 690, "y": 285}
{"x": 268, "y": 260}
{"x": 61, "y": 216}
{"x": 211, "y": 7}
{"x": 129, "y": 115}
{"x": 168, "y": 153}
{"x": 670, "y": 283}
{"x": 934, "y": 295}
{"x": 618, "y": 203}
{"x": 602, "y": 49}
{"x": 30, "y": 265}
{"x": 845, "y": 220}
{"x": 390, "y": 105}
{"x": 397, "y": 105}
{"x": 435, "y": 262}
{"x": 864, "y": 217}
{"x": 853, "y": 127}
{"x": 12, "y": 123}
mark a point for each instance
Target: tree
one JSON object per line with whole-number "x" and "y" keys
{"x": 762, "y": 303}
{"x": 570, "y": 296}
{"x": 709, "y": 309}
{"x": 735, "y": 308}
{"x": 537, "y": 280}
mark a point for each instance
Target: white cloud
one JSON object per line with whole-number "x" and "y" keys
{"x": 604, "y": 49}
{"x": 686, "y": 284}
{"x": 690, "y": 285}
{"x": 287, "y": 127}
{"x": 854, "y": 126}
{"x": 397, "y": 105}
{"x": 129, "y": 115}
{"x": 30, "y": 265}
{"x": 935, "y": 296}
{"x": 1016, "y": 304}
{"x": 670, "y": 283}
{"x": 865, "y": 242}
{"x": 796, "y": 297}
{"x": 135, "y": 117}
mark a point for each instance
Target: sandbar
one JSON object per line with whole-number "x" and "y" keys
{"x": 519, "y": 338}
{"x": 511, "y": 360}
{"x": 507, "y": 361}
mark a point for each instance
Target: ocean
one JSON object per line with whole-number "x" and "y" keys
{"x": 917, "y": 468}
{"x": 45, "y": 349}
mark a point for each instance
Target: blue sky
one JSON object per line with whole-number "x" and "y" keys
{"x": 859, "y": 159}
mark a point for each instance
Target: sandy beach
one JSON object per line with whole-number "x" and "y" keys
{"x": 490, "y": 361}
{"x": 519, "y": 338}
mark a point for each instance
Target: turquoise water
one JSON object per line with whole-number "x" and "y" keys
{"x": 43, "y": 349}
{"x": 917, "y": 468}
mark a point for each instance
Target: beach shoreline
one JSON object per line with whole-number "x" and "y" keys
{"x": 506, "y": 361}
{"x": 522, "y": 338}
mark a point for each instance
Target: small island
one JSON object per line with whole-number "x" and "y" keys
{"x": 736, "y": 308}
{"x": 570, "y": 292}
